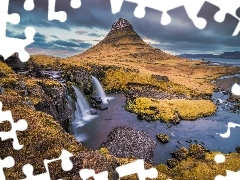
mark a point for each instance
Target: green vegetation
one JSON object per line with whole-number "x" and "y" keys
{"x": 118, "y": 80}
{"x": 4, "y": 69}
{"x": 169, "y": 110}
{"x": 201, "y": 169}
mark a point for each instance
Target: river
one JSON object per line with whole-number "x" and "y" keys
{"x": 203, "y": 130}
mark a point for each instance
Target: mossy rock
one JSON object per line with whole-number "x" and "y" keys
{"x": 197, "y": 151}
{"x": 180, "y": 154}
{"x": 237, "y": 149}
{"x": 163, "y": 138}
{"x": 172, "y": 162}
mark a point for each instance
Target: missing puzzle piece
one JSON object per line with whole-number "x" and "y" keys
{"x": 21, "y": 125}
{"x": 66, "y": 166}
{"x": 61, "y": 15}
{"x": 8, "y": 45}
{"x": 192, "y": 9}
{"x": 5, "y": 163}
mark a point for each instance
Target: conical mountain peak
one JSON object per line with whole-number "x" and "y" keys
{"x": 123, "y": 42}
{"x": 120, "y": 24}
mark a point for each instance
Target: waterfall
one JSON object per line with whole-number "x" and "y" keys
{"x": 82, "y": 108}
{"x": 100, "y": 91}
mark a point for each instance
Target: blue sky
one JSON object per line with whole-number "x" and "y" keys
{"x": 90, "y": 23}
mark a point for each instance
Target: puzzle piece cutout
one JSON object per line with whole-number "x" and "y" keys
{"x": 61, "y": 15}
{"x": 235, "y": 89}
{"x": 87, "y": 173}
{"x": 230, "y": 125}
{"x": 8, "y": 45}
{"x": 66, "y": 166}
{"x": 219, "y": 158}
{"x": 5, "y": 163}
{"x": 21, "y": 125}
{"x": 192, "y": 8}
{"x": 137, "y": 167}
{"x": 230, "y": 175}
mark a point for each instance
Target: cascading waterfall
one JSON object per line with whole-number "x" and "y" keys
{"x": 100, "y": 91}
{"x": 82, "y": 108}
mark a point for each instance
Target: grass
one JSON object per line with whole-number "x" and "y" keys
{"x": 169, "y": 110}
{"x": 118, "y": 80}
{"x": 201, "y": 169}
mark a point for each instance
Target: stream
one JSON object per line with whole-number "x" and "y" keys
{"x": 203, "y": 130}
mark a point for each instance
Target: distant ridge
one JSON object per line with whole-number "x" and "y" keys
{"x": 122, "y": 42}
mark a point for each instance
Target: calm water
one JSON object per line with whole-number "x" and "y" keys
{"x": 204, "y": 130}
{"x": 222, "y": 61}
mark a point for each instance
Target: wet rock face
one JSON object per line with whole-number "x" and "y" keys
{"x": 126, "y": 143}
{"x": 54, "y": 102}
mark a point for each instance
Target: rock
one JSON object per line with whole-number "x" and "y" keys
{"x": 161, "y": 78}
{"x": 180, "y": 154}
{"x": 237, "y": 149}
{"x": 142, "y": 116}
{"x": 1, "y": 90}
{"x": 197, "y": 151}
{"x": 172, "y": 162}
{"x": 97, "y": 99}
{"x": 124, "y": 142}
{"x": 175, "y": 121}
{"x": 102, "y": 107}
{"x": 93, "y": 111}
{"x": 88, "y": 160}
{"x": 54, "y": 102}
{"x": 163, "y": 138}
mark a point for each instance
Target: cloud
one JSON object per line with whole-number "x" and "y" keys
{"x": 95, "y": 35}
{"x": 71, "y": 44}
{"x": 81, "y": 32}
{"x": 53, "y": 36}
{"x": 179, "y": 36}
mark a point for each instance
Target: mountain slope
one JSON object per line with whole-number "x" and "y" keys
{"x": 123, "y": 43}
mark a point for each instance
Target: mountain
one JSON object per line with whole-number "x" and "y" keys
{"x": 228, "y": 55}
{"x": 123, "y": 43}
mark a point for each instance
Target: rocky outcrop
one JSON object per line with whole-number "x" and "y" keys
{"x": 88, "y": 160}
{"x": 54, "y": 102}
{"x": 163, "y": 138}
{"x": 126, "y": 143}
{"x": 196, "y": 151}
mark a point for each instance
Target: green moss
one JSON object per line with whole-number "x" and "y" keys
{"x": 201, "y": 169}
{"x": 5, "y": 69}
{"x": 8, "y": 82}
{"x": 43, "y": 139}
{"x": 169, "y": 110}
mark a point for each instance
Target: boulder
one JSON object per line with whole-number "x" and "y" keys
{"x": 124, "y": 142}
{"x": 97, "y": 99}
{"x": 197, "y": 151}
{"x": 180, "y": 154}
{"x": 163, "y": 138}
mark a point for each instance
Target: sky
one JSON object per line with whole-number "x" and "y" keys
{"x": 89, "y": 24}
